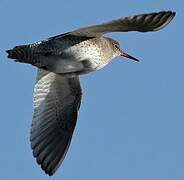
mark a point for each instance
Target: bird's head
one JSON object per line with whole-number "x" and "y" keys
{"x": 118, "y": 52}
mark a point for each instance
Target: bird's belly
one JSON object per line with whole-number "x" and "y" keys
{"x": 64, "y": 66}
{"x": 80, "y": 52}
{"x": 90, "y": 56}
{"x": 79, "y": 59}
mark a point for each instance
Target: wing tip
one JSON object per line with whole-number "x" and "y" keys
{"x": 170, "y": 14}
{"x": 168, "y": 17}
{"x": 48, "y": 172}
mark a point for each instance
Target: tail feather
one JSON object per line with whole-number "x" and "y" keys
{"x": 33, "y": 54}
{"x": 23, "y": 52}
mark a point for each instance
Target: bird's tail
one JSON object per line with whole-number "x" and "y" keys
{"x": 22, "y": 53}
{"x": 25, "y": 53}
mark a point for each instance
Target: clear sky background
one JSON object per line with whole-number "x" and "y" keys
{"x": 131, "y": 122}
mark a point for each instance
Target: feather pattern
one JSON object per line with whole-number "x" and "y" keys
{"x": 56, "y": 103}
{"x": 142, "y": 23}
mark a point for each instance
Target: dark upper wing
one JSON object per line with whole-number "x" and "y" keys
{"x": 56, "y": 104}
{"x": 142, "y": 23}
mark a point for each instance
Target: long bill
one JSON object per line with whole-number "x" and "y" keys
{"x": 128, "y": 56}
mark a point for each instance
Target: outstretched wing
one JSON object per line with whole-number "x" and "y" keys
{"x": 56, "y": 104}
{"x": 142, "y": 23}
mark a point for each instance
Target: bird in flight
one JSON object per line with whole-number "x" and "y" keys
{"x": 60, "y": 61}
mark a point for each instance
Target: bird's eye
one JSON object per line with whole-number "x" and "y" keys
{"x": 116, "y": 46}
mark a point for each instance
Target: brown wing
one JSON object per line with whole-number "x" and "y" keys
{"x": 56, "y": 104}
{"x": 142, "y": 23}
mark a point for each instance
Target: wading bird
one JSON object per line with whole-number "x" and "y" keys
{"x": 60, "y": 61}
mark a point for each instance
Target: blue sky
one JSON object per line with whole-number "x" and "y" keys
{"x": 131, "y": 121}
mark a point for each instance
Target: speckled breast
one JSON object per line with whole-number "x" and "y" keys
{"x": 95, "y": 51}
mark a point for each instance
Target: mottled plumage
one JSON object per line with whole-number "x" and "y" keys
{"x": 60, "y": 61}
